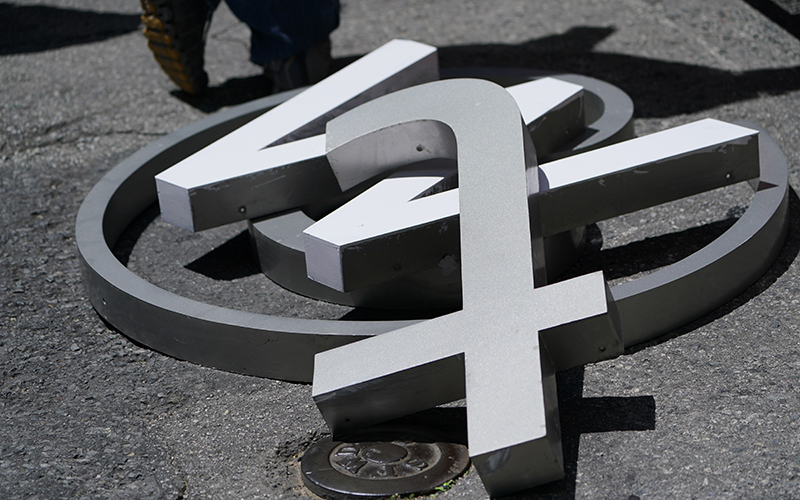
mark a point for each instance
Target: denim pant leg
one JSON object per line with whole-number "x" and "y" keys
{"x": 281, "y": 28}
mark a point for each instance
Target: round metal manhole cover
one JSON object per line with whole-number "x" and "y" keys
{"x": 385, "y": 462}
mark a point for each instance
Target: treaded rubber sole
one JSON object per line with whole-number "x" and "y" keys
{"x": 176, "y": 40}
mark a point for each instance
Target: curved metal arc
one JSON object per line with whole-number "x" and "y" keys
{"x": 227, "y": 339}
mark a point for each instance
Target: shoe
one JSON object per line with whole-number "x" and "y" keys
{"x": 176, "y": 34}
{"x": 300, "y": 70}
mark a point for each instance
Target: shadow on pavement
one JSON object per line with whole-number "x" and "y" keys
{"x": 239, "y": 90}
{"x": 36, "y": 28}
{"x": 581, "y": 415}
{"x": 578, "y": 415}
{"x": 787, "y": 256}
{"x": 652, "y": 84}
{"x": 643, "y": 255}
{"x": 231, "y": 93}
{"x": 230, "y": 261}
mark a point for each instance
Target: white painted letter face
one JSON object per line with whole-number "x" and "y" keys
{"x": 258, "y": 170}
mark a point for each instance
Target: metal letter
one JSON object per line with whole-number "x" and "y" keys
{"x": 390, "y": 230}
{"x": 405, "y": 223}
{"x": 490, "y": 350}
{"x": 223, "y": 182}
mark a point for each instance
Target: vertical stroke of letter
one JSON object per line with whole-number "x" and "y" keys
{"x": 490, "y": 351}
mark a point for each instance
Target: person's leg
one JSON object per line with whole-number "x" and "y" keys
{"x": 175, "y": 30}
{"x": 290, "y": 37}
{"x": 283, "y": 28}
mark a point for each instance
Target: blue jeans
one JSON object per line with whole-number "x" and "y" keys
{"x": 280, "y": 29}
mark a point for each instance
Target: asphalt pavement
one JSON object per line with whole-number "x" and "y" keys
{"x": 711, "y": 410}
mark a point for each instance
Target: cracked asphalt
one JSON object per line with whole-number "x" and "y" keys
{"x": 711, "y": 410}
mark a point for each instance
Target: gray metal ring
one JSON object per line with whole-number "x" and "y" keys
{"x": 284, "y": 348}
